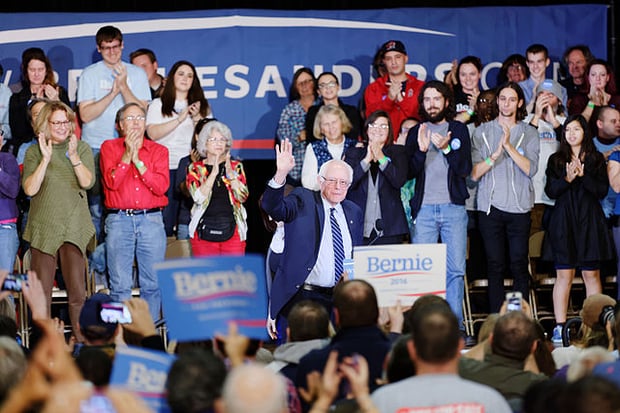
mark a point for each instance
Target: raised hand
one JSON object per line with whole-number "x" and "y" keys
{"x": 505, "y": 139}
{"x": 440, "y": 141}
{"x": 120, "y": 77}
{"x": 285, "y": 161}
{"x": 424, "y": 138}
{"x": 73, "y": 144}
{"x": 46, "y": 147}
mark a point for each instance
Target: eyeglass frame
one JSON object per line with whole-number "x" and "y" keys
{"x": 334, "y": 181}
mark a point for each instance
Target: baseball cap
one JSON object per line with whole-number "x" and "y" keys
{"x": 90, "y": 317}
{"x": 592, "y": 307}
{"x": 549, "y": 85}
{"x": 393, "y": 46}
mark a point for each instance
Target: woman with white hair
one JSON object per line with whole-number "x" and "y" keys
{"x": 219, "y": 188}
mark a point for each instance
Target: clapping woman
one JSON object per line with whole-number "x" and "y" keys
{"x": 57, "y": 173}
{"x": 379, "y": 171}
{"x": 37, "y": 82}
{"x": 577, "y": 180}
{"x": 218, "y": 187}
{"x": 170, "y": 121}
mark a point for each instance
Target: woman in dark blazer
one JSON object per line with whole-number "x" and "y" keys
{"x": 379, "y": 171}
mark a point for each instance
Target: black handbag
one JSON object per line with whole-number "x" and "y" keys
{"x": 216, "y": 229}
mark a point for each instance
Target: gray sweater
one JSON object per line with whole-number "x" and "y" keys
{"x": 506, "y": 187}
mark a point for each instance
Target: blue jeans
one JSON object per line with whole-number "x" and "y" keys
{"x": 448, "y": 222}
{"x": 142, "y": 238}
{"x": 9, "y": 243}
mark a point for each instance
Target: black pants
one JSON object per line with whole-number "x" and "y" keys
{"x": 499, "y": 230}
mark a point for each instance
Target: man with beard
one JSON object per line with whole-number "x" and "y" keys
{"x": 440, "y": 160}
{"x": 505, "y": 158}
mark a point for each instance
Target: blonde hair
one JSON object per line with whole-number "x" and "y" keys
{"x": 42, "y": 122}
{"x": 330, "y": 110}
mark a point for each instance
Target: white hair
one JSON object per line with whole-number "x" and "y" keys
{"x": 255, "y": 388}
{"x": 205, "y": 133}
{"x": 336, "y": 162}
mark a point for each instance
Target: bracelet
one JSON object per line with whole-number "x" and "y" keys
{"x": 384, "y": 160}
{"x": 470, "y": 112}
{"x": 591, "y": 104}
{"x": 139, "y": 164}
{"x": 446, "y": 150}
{"x": 75, "y": 165}
{"x": 489, "y": 161}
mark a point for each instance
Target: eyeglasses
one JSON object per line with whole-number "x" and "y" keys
{"x": 58, "y": 123}
{"x": 327, "y": 85}
{"x": 484, "y": 100}
{"x": 131, "y": 118}
{"x": 379, "y": 126}
{"x": 334, "y": 181}
{"x": 211, "y": 139}
{"x": 110, "y": 48}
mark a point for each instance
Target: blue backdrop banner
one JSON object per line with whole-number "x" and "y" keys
{"x": 246, "y": 58}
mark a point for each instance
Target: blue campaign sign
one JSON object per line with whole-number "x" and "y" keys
{"x": 200, "y": 296}
{"x": 144, "y": 372}
{"x": 246, "y": 58}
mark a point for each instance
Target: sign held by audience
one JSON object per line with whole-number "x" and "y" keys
{"x": 143, "y": 372}
{"x": 402, "y": 272}
{"x": 201, "y": 296}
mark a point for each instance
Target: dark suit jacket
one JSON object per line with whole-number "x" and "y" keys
{"x": 389, "y": 180}
{"x": 303, "y": 216}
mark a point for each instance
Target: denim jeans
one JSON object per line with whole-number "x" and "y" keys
{"x": 9, "y": 243}
{"x": 448, "y": 222}
{"x": 500, "y": 229}
{"x": 142, "y": 238}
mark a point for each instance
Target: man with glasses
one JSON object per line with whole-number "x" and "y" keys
{"x": 135, "y": 180}
{"x": 440, "y": 161}
{"x": 103, "y": 88}
{"x": 397, "y": 91}
{"x": 320, "y": 230}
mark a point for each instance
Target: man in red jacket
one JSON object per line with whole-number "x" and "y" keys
{"x": 397, "y": 91}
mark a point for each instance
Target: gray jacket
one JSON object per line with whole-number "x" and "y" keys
{"x": 506, "y": 187}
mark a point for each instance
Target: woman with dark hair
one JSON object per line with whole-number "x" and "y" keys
{"x": 464, "y": 80}
{"x": 329, "y": 86}
{"x": 379, "y": 171}
{"x": 577, "y": 180}
{"x": 514, "y": 69}
{"x": 170, "y": 121}
{"x": 292, "y": 124}
{"x": 37, "y": 82}
{"x": 600, "y": 90}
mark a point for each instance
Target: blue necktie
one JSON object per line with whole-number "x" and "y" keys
{"x": 338, "y": 246}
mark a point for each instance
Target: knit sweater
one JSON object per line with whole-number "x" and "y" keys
{"x": 59, "y": 210}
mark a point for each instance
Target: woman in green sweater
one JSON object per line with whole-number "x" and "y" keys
{"x": 57, "y": 173}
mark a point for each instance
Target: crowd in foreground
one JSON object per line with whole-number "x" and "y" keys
{"x": 360, "y": 359}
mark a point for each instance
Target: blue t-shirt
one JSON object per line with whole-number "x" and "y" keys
{"x": 94, "y": 83}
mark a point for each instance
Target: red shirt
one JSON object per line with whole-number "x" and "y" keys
{"x": 376, "y": 98}
{"x": 124, "y": 187}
